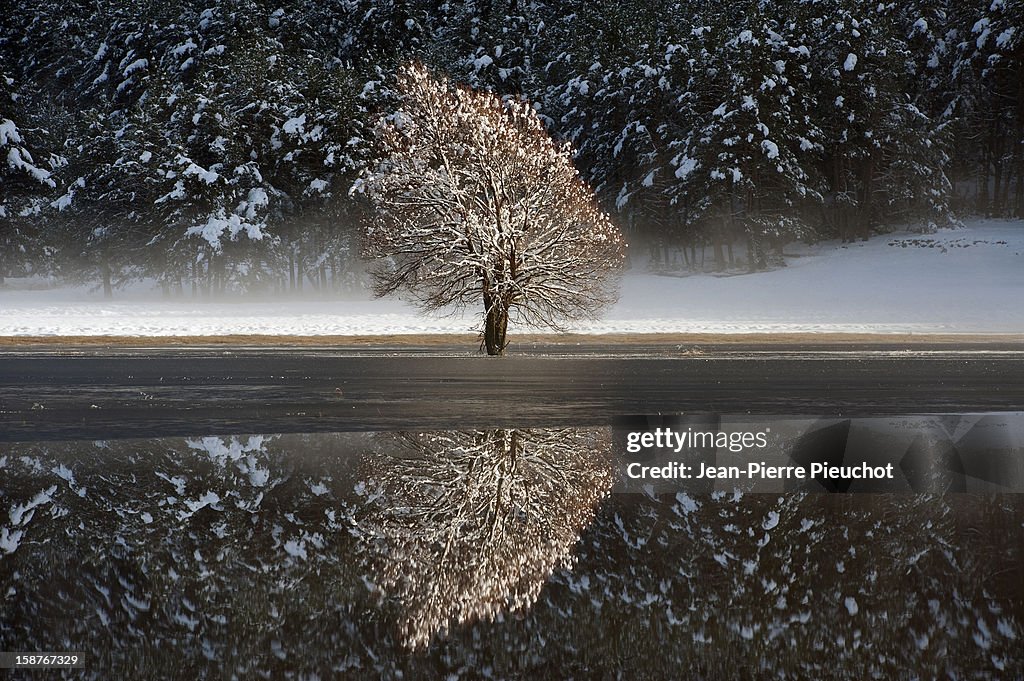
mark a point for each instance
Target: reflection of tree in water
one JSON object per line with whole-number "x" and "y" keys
{"x": 460, "y": 526}
{"x": 221, "y": 558}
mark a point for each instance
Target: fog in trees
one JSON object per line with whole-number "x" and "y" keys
{"x": 211, "y": 147}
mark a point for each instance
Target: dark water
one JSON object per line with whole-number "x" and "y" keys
{"x": 501, "y": 553}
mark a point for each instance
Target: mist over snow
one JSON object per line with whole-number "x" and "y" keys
{"x": 968, "y": 280}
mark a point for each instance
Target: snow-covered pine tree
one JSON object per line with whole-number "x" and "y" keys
{"x": 101, "y": 221}
{"x": 884, "y": 154}
{"x": 261, "y": 140}
{"x": 474, "y": 202}
{"x": 626, "y": 103}
{"x": 25, "y": 179}
{"x": 755, "y": 141}
{"x": 990, "y": 92}
{"x": 491, "y": 45}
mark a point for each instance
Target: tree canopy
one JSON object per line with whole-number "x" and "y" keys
{"x": 474, "y": 202}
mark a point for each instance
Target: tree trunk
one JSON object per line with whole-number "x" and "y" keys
{"x": 108, "y": 289}
{"x": 1019, "y": 139}
{"x": 982, "y": 202}
{"x": 495, "y": 326}
{"x": 752, "y": 258}
{"x": 719, "y": 254}
{"x": 867, "y": 202}
{"x": 208, "y": 290}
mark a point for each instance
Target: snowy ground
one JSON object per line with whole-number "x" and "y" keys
{"x": 961, "y": 281}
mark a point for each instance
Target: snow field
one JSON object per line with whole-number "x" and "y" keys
{"x": 968, "y": 280}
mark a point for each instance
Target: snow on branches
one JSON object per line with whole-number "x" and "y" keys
{"x": 464, "y": 526}
{"x": 474, "y": 201}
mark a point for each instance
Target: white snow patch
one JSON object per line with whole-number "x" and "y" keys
{"x": 64, "y": 473}
{"x": 686, "y": 503}
{"x": 851, "y": 605}
{"x": 294, "y": 126}
{"x": 970, "y": 281}
{"x": 9, "y": 539}
{"x": 208, "y": 499}
{"x": 685, "y": 167}
{"x": 851, "y": 62}
{"x": 21, "y": 513}
{"x": 9, "y": 133}
{"x": 136, "y": 65}
{"x": 207, "y": 176}
{"x": 1004, "y": 627}
{"x": 295, "y": 548}
{"x": 258, "y": 477}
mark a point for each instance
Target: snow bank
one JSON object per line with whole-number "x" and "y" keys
{"x": 959, "y": 281}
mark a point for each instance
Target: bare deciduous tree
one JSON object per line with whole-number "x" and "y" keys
{"x": 460, "y": 526}
{"x": 475, "y": 202}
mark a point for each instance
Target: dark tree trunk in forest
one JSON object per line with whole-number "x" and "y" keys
{"x": 1019, "y": 155}
{"x": 108, "y": 289}
{"x": 982, "y": 203}
{"x": 867, "y": 201}
{"x": 495, "y": 327}
{"x": 719, "y": 253}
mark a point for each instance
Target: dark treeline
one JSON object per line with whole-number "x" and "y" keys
{"x": 211, "y": 145}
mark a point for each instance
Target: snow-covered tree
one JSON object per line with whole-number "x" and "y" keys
{"x": 476, "y": 203}
{"x": 464, "y": 526}
{"x": 989, "y": 89}
{"x": 755, "y": 141}
{"x": 884, "y": 149}
{"x": 25, "y": 179}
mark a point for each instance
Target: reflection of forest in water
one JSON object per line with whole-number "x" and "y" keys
{"x": 489, "y": 552}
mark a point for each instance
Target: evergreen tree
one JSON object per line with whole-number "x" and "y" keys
{"x": 25, "y": 178}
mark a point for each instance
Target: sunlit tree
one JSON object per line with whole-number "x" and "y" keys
{"x": 462, "y": 526}
{"x": 474, "y": 202}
